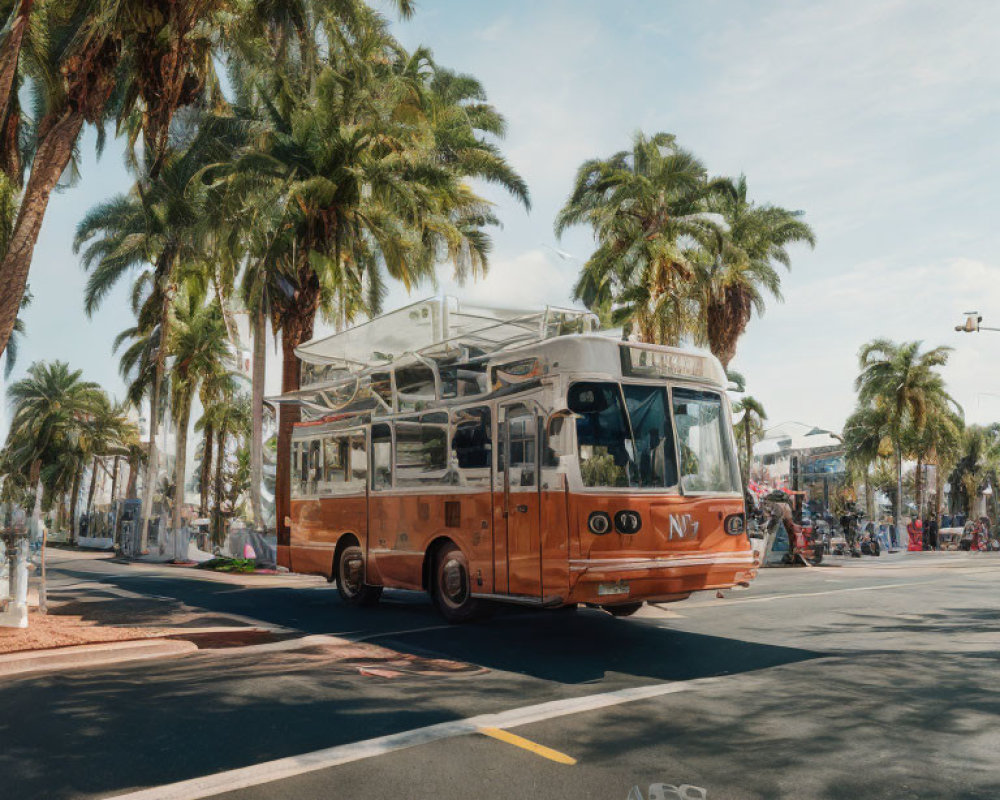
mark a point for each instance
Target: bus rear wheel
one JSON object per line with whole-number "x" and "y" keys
{"x": 452, "y": 589}
{"x": 351, "y": 584}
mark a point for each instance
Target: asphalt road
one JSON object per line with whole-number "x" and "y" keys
{"x": 874, "y": 679}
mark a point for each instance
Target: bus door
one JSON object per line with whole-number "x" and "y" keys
{"x": 520, "y": 553}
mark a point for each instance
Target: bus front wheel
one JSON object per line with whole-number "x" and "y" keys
{"x": 452, "y": 589}
{"x": 351, "y": 579}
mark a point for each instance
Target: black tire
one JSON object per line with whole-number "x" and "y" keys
{"x": 350, "y": 579}
{"x": 817, "y": 558}
{"x": 451, "y": 588}
{"x": 624, "y": 610}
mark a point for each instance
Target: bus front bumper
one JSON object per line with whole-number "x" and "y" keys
{"x": 615, "y": 581}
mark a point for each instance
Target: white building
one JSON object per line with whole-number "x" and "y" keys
{"x": 815, "y": 452}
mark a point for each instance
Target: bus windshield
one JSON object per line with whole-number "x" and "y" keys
{"x": 704, "y": 442}
{"x": 625, "y": 438}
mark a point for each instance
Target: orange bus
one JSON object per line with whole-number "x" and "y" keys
{"x": 558, "y": 470}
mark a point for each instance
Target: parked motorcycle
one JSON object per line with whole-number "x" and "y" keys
{"x": 802, "y": 542}
{"x": 869, "y": 544}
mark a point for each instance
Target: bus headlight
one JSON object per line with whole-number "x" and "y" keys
{"x": 628, "y": 522}
{"x": 598, "y": 523}
{"x": 735, "y": 524}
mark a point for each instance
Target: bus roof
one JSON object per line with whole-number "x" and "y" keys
{"x": 438, "y": 352}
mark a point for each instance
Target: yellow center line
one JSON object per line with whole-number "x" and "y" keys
{"x": 527, "y": 744}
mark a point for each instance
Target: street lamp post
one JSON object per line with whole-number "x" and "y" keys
{"x": 972, "y": 324}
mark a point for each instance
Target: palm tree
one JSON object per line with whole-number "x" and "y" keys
{"x": 199, "y": 347}
{"x": 139, "y": 58}
{"x": 867, "y": 440}
{"x": 139, "y": 61}
{"x": 736, "y": 276}
{"x": 936, "y": 443}
{"x": 107, "y": 432}
{"x": 977, "y": 456}
{"x": 165, "y": 223}
{"x": 216, "y": 396}
{"x": 906, "y": 383}
{"x": 749, "y": 429}
{"x": 347, "y": 183}
{"x": 646, "y": 207}
{"x": 51, "y": 406}
{"x": 229, "y": 418}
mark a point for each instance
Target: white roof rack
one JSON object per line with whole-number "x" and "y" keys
{"x": 364, "y": 369}
{"x": 440, "y": 323}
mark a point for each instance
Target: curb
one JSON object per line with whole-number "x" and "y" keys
{"x": 92, "y": 655}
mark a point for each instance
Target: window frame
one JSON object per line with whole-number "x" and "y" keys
{"x": 726, "y": 421}
{"x": 669, "y": 387}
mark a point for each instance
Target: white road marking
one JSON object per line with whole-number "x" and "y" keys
{"x": 406, "y": 631}
{"x": 769, "y": 598}
{"x": 284, "y": 768}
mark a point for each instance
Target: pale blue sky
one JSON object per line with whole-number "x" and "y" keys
{"x": 879, "y": 119}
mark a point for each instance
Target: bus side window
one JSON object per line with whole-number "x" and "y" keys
{"x": 523, "y": 437}
{"x": 303, "y": 473}
{"x": 471, "y": 446}
{"x": 296, "y": 486}
{"x": 357, "y": 470}
{"x": 334, "y": 472}
{"x": 315, "y": 473}
{"x": 381, "y": 457}
{"x": 422, "y": 449}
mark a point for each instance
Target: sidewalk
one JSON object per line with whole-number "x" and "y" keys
{"x": 47, "y": 631}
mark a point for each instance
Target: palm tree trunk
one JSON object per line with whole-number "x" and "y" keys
{"x": 206, "y": 467}
{"x": 898, "y": 511}
{"x": 10, "y": 53}
{"x": 114, "y": 480}
{"x": 918, "y": 485}
{"x": 114, "y": 496}
{"x": 34, "y": 477}
{"x": 869, "y": 500}
{"x": 152, "y": 465}
{"x": 131, "y": 487}
{"x": 938, "y": 487}
{"x": 749, "y": 443}
{"x": 217, "y": 537}
{"x": 257, "y": 410}
{"x": 288, "y": 415}
{"x": 58, "y": 136}
{"x": 73, "y": 501}
{"x": 180, "y": 464}
{"x": 43, "y": 595}
{"x": 227, "y": 315}
{"x": 93, "y": 486}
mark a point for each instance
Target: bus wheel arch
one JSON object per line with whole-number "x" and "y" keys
{"x": 349, "y": 573}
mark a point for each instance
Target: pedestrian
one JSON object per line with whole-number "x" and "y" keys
{"x": 931, "y": 533}
{"x": 976, "y": 536}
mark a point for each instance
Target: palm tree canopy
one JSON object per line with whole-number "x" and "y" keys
{"x": 647, "y": 209}
{"x": 904, "y": 379}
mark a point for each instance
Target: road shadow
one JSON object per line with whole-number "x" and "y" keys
{"x": 560, "y": 646}
{"x": 153, "y": 723}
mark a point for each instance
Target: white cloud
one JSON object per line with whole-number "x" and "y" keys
{"x": 801, "y": 357}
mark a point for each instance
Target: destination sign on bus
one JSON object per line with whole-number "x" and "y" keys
{"x": 640, "y": 362}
